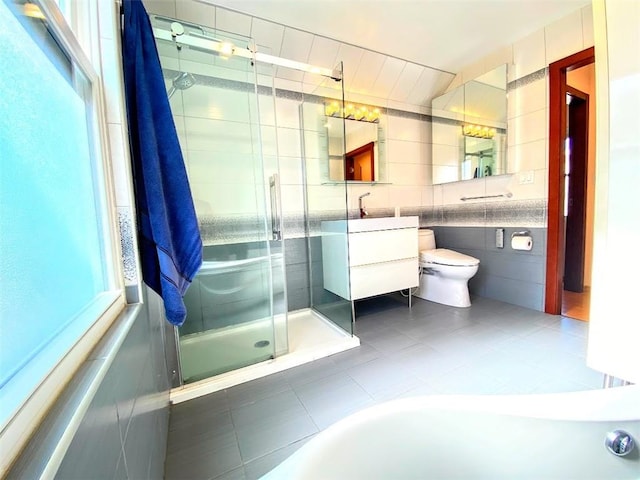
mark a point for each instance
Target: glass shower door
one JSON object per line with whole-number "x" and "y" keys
{"x": 237, "y": 297}
{"x": 324, "y": 148}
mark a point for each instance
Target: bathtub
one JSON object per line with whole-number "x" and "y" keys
{"x": 551, "y": 436}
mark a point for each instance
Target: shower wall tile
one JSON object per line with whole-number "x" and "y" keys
{"x": 196, "y": 12}
{"x": 289, "y": 142}
{"x": 218, "y": 136}
{"x": 235, "y": 22}
{"x": 161, "y": 7}
{"x": 216, "y": 104}
{"x": 287, "y": 113}
{"x": 268, "y": 35}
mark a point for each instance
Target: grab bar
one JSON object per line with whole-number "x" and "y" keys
{"x": 507, "y": 195}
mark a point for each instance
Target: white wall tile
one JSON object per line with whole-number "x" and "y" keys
{"x": 444, "y": 173}
{"x": 528, "y": 55}
{"x": 528, "y": 127}
{"x": 296, "y": 45}
{"x": 292, "y": 198}
{"x": 446, "y": 155}
{"x": 388, "y": 76}
{"x": 407, "y": 173}
{"x": 226, "y": 198}
{"x": 403, "y": 128}
{"x": 112, "y": 81}
{"x": 291, "y": 170}
{"x": 427, "y": 195}
{"x": 323, "y": 53}
{"x": 528, "y": 98}
{"x": 267, "y": 35}
{"x": 120, "y": 165}
{"x": 351, "y": 57}
{"x": 587, "y": 27}
{"x": 367, "y": 72}
{"x": 564, "y": 37}
{"x": 218, "y": 167}
{"x": 232, "y": 22}
{"x": 289, "y": 142}
{"x": 196, "y": 12}
{"x": 530, "y": 191}
{"x": 216, "y": 103}
{"x": 378, "y": 198}
{"x": 528, "y": 156}
{"x": 407, "y": 80}
{"x": 405, "y": 196}
{"x": 107, "y": 19}
{"x": 161, "y": 7}
{"x": 287, "y": 113}
{"x": 219, "y": 135}
{"x": 325, "y": 197}
{"x": 399, "y": 151}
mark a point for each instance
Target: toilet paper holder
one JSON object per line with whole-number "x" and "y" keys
{"x": 522, "y": 240}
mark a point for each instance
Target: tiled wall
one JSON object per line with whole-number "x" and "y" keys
{"x": 407, "y": 180}
{"x": 124, "y": 432}
{"x": 505, "y": 274}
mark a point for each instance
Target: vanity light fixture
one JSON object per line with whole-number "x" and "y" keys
{"x": 478, "y": 131}
{"x": 362, "y": 113}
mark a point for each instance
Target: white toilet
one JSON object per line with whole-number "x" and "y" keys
{"x": 445, "y": 273}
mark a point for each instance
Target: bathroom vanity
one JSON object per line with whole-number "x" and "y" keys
{"x": 371, "y": 256}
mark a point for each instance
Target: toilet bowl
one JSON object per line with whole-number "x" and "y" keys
{"x": 445, "y": 273}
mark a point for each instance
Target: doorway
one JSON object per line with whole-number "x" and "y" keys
{"x": 571, "y": 185}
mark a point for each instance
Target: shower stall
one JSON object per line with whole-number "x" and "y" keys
{"x": 250, "y": 127}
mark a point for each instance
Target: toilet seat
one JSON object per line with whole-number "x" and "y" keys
{"x": 442, "y": 256}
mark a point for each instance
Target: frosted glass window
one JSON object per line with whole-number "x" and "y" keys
{"x": 56, "y": 275}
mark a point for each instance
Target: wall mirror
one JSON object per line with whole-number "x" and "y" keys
{"x": 470, "y": 129}
{"x": 355, "y": 152}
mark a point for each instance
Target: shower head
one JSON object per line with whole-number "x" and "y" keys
{"x": 183, "y": 81}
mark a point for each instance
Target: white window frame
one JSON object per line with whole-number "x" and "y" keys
{"x": 25, "y": 422}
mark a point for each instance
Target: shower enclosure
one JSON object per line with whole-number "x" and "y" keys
{"x": 242, "y": 131}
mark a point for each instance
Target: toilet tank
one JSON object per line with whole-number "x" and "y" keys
{"x": 426, "y": 239}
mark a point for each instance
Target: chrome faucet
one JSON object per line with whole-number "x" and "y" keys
{"x": 363, "y": 211}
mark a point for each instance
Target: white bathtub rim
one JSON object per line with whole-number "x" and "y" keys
{"x": 620, "y": 404}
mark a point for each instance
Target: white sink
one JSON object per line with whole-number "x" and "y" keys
{"x": 370, "y": 224}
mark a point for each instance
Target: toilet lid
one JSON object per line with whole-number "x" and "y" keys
{"x": 442, "y": 256}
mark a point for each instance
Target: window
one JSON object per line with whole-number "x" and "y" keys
{"x": 60, "y": 276}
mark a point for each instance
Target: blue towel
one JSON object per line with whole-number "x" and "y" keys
{"x": 169, "y": 239}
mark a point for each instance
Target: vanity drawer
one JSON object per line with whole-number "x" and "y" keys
{"x": 379, "y": 278}
{"x": 382, "y": 246}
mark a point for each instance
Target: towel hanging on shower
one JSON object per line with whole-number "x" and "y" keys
{"x": 168, "y": 236}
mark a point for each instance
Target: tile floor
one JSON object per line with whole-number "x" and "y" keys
{"x": 491, "y": 348}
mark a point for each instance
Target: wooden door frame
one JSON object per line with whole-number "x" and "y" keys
{"x": 555, "y": 205}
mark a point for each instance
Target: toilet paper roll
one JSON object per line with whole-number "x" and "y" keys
{"x": 523, "y": 242}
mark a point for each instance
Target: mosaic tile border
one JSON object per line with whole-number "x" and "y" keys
{"x": 527, "y": 79}
{"x": 241, "y": 229}
{"x": 127, "y": 245}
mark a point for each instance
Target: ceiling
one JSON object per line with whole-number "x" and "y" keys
{"x": 396, "y": 53}
{"x": 442, "y": 34}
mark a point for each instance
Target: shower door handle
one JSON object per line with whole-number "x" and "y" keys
{"x": 276, "y": 214}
